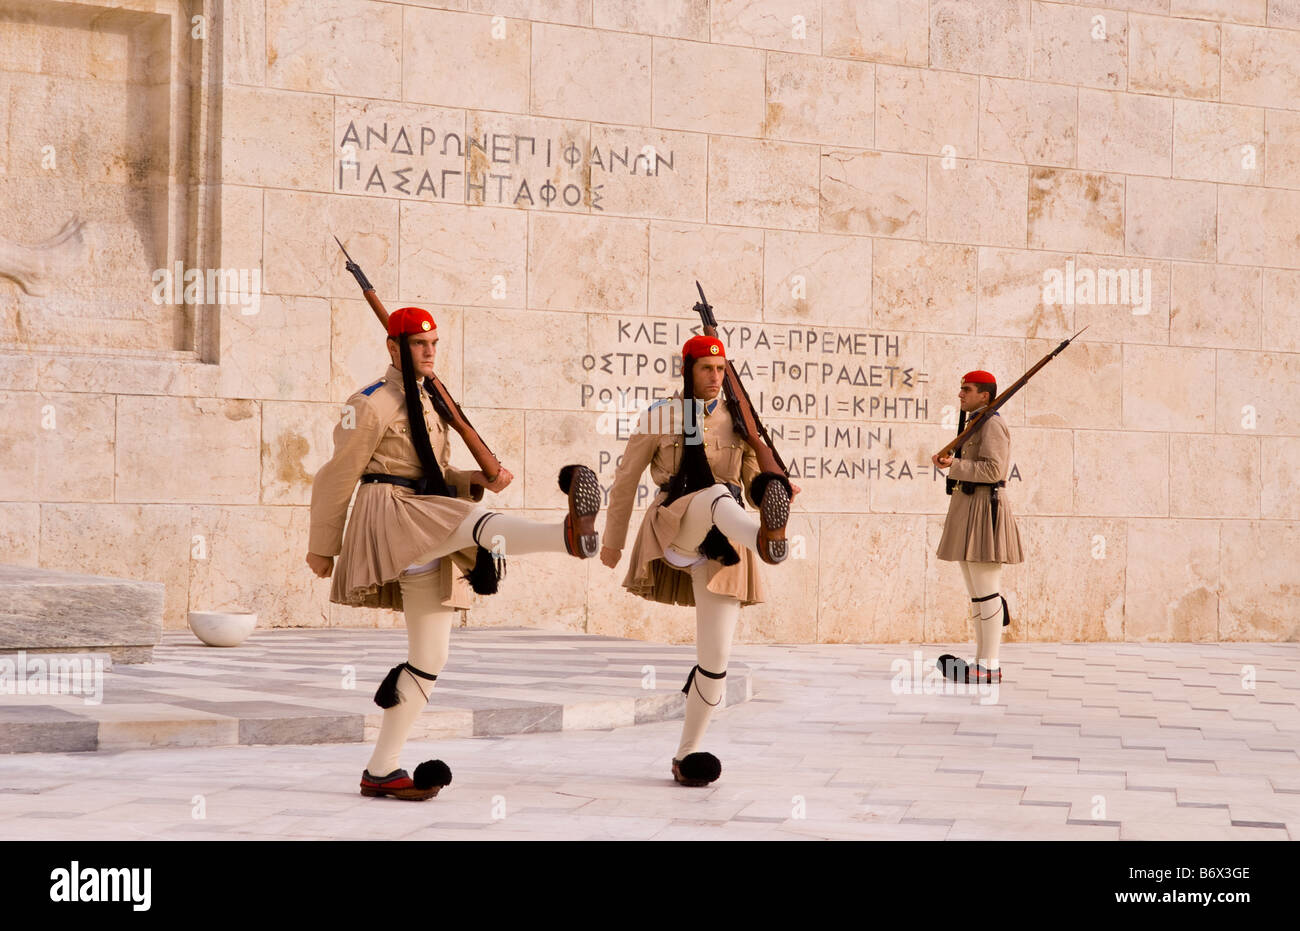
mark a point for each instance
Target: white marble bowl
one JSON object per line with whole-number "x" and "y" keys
{"x": 222, "y": 628}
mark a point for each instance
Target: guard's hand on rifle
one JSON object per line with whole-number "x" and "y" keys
{"x": 504, "y": 478}
{"x": 941, "y": 463}
{"x": 609, "y": 557}
{"x": 321, "y": 565}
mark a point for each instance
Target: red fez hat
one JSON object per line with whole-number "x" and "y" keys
{"x": 979, "y": 377}
{"x": 410, "y": 320}
{"x": 703, "y": 347}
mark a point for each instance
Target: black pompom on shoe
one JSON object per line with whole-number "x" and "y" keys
{"x": 697, "y": 769}
{"x": 952, "y": 667}
{"x": 432, "y": 774}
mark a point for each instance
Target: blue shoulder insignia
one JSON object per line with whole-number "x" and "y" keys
{"x": 372, "y": 388}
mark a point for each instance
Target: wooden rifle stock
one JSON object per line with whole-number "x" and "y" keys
{"x": 487, "y": 462}
{"x": 1001, "y": 399}
{"x": 742, "y": 409}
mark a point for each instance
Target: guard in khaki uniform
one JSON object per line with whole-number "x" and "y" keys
{"x": 980, "y": 532}
{"x": 684, "y": 553}
{"x": 415, "y": 536}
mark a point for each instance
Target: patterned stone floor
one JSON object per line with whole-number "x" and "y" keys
{"x": 317, "y": 686}
{"x": 1086, "y": 742}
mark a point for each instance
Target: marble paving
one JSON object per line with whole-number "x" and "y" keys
{"x": 1113, "y": 741}
{"x": 307, "y": 686}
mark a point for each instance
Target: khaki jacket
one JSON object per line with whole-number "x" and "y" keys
{"x": 657, "y": 444}
{"x": 968, "y": 530}
{"x": 374, "y": 435}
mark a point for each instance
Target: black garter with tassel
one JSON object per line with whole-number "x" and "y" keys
{"x": 686, "y": 689}
{"x": 387, "y": 696}
{"x": 717, "y": 546}
{"x": 489, "y": 569}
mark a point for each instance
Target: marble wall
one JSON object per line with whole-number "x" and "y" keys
{"x": 878, "y": 195}
{"x": 97, "y": 190}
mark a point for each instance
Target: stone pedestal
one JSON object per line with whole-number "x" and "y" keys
{"x": 63, "y": 612}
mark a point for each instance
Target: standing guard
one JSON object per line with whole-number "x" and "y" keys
{"x": 980, "y": 532}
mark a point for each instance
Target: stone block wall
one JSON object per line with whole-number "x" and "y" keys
{"x": 878, "y": 195}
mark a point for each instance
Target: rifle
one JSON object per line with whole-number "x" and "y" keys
{"x": 995, "y": 403}
{"x": 742, "y": 409}
{"x": 443, "y": 402}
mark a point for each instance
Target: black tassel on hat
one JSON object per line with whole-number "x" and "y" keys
{"x": 432, "y": 482}
{"x": 950, "y": 483}
{"x": 693, "y": 473}
{"x": 488, "y": 569}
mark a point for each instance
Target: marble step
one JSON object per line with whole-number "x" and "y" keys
{"x": 286, "y": 686}
{"x": 51, "y": 611}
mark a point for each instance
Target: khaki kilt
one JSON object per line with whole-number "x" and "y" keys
{"x": 390, "y": 529}
{"x": 968, "y": 531}
{"x": 651, "y": 577}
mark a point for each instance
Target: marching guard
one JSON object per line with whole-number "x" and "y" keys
{"x": 697, "y": 545}
{"x": 414, "y": 524}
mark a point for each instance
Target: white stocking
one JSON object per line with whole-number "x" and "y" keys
{"x": 974, "y": 608}
{"x": 986, "y": 580}
{"x": 504, "y": 534}
{"x": 428, "y": 634}
{"x": 715, "y": 623}
{"x": 714, "y": 506}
